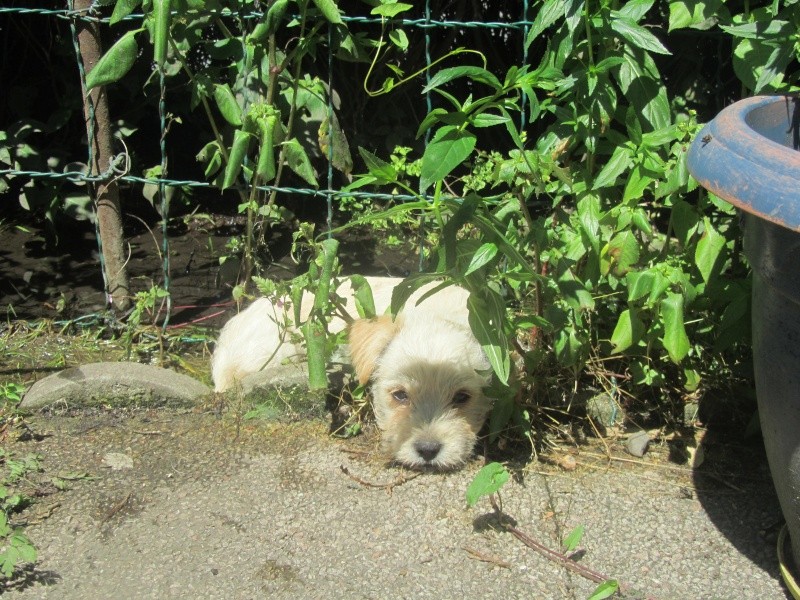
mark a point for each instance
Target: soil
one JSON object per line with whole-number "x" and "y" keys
{"x": 63, "y": 280}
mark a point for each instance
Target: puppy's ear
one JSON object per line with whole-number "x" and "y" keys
{"x": 368, "y": 338}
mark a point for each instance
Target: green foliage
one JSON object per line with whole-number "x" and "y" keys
{"x": 115, "y": 63}
{"x": 593, "y": 234}
{"x": 271, "y": 121}
{"x": 10, "y": 396}
{"x": 147, "y": 303}
{"x": 555, "y": 190}
{"x": 486, "y": 482}
{"x": 50, "y": 198}
{"x": 573, "y": 538}
{"x": 605, "y": 590}
{"x": 16, "y": 548}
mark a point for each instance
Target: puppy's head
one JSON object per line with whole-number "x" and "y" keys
{"x": 427, "y": 376}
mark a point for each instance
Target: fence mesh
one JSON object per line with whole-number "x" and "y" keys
{"x": 516, "y": 23}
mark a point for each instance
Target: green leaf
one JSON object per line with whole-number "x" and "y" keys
{"x": 399, "y": 38}
{"x": 271, "y": 22}
{"x": 698, "y": 14}
{"x": 494, "y": 229}
{"x": 474, "y": 73}
{"x": 27, "y": 551}
{"x": 638, "y": 182}
{"x": 676, "y": 342}
{"x": 115, "y": 63}
{"x": 635, "y": 9}
{"x": 734, "y": 326}
{"x": 642, "y": 85}
{"x": 623, "y": 250}
{"x": 435, "y": 116}
{"x": 378, "y": 168}
{"x": 241, "y": 142}
{"x": 774, "y": 29}
{"x": 314, "y": 330}
{"x": 403, "y": 290}
{"x": 607, "y": 63}
{"x": 574, "y": 293}
{"x": 362, "y": 294}
{"x": 297, "y": 160}
{"x": 619, "y": 162}
{"x": 226, "y": 102}
{"x": 589, "y": 217}
{"x": 487, "y": 481}
{"x": 662, "y": 137}
{"x": 329, "y": 10}
{"x": 605, "y": 590}
{"x": 641, "y": 221}
{"x": 684, "y": 221}
{"x": 709, "y": 250}
{"x": 502, "y": 411}
{"x": 448, "y": 149}
{"x": 487, "y": 315}
{"x": 637, "y": 36}
{"x": 390, "y": 10}
{"x": 760, "y": 64}
{"x": 265, "y": 168}
{"x": 334, "y": 145}
{"x": 772, "y": 71}
{"x": 550, "y": 12}
{"x": 569, "y": 347}
{"x": 628, "y": 331}
{"x": 650, "y": 283}
{"x": 573, "y": 539}
{"x": 482, "y": 257}
{"x": 122, "y": 9}
{"x": 489, "y": 120}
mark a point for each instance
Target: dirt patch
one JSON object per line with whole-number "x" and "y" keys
{"x": 64, "y": 281}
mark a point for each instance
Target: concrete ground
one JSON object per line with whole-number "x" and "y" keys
{"x": 184, "y": 503}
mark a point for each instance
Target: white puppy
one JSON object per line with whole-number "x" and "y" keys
{"x": 426, "y": 368}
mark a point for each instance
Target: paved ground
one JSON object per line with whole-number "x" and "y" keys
{"x": 188, "y": 504}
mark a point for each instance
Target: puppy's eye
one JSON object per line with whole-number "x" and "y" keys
{"x": 400, "y": 396}
{"x": 461, "y": 397}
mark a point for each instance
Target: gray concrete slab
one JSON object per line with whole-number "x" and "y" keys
{"x": 215, "y": 507}
{"x": 114, "y": 383}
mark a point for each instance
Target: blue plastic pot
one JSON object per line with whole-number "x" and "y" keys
{"x": 748, "y": 156}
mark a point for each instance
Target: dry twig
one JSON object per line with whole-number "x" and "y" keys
{"x": 486, "y": 558}
{"x": 552, "y": 555}
{"x": 383, "y": 486}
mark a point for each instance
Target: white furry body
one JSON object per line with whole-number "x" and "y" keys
{"x": 426, "y": 368}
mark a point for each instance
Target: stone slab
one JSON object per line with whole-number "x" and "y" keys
{"x": 117, "y": 383}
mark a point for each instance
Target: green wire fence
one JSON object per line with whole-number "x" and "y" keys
{"x": 429, "y": 26}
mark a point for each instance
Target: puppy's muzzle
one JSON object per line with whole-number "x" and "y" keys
{"x": 428, "y": 450}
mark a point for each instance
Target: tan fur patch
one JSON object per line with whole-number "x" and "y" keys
{"x": 368, "y": 338}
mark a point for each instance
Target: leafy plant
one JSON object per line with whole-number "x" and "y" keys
{"x": 593, "y": 233}
{"x": 605, "y": 590}
{"x": 489, "y": 480}
{"x": 53, "y": 199}
{"x": 15, "y": 546}
{"x": 10, "y": 398}
{"x": 10, "y": 395}
{"x": 147, "y": 302}
{"x": 573, "y": 538}
{"x": 267, "y": 116}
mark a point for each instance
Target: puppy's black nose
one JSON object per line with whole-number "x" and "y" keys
{"x": 428, "y": 450}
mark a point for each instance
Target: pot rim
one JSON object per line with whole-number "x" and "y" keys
{"x": 732, "y": 158}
